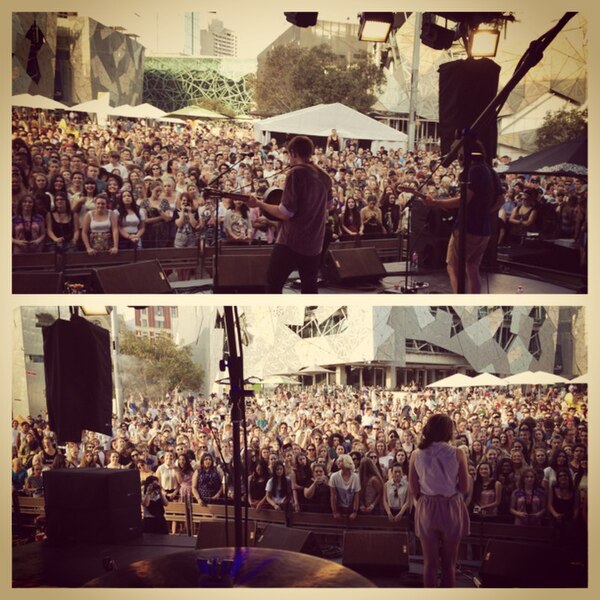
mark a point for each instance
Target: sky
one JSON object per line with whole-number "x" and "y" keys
{"x": 258, "y": 24}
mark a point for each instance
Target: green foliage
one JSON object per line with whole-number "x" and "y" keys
{"x": 215, "y": 105}
{"x": 156, "y": 366}
{"x": 292, "y": 78}
{"x": 561, "y": 126}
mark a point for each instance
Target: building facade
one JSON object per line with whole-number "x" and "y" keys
{"x": 393, "y": 346}
{"x": 217, "y": 40}
{"x": 73, "y": 59}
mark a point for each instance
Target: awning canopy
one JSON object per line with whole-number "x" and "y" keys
{"x": 319, "y": 120}
{"x": 569, "y": 158}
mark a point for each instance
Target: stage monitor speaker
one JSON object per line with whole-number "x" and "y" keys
{"x": 280, "y": 537}
{"x": 459, "y": 106}
{"x": 144, "y": 277}
{"x": 92, "y": 505}
{"x": 353, "y": 264}
{"x": 219, "y": 534}
{"x": 37, "y": 283}
{"x": 516, "y": 564}
{"x": 239, "y": 273}
{"x": 367, "y": 551}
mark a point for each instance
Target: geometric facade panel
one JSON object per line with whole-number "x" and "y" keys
{"x": 171, "y": 83}
{"x": 33, "y": 53}
{"x": 490, "y": 342}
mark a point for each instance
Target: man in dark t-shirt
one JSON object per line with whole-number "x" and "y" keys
{"x": 303, "y": 211}
{"x": 484, "y": 197}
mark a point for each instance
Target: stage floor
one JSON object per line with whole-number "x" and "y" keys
{"x": 429, "y": 282}
{"x": 43, "y": 565}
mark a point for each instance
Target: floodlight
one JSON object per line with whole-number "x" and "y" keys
{"x": 375, "y": 26}
{"x": 483, "y": 42}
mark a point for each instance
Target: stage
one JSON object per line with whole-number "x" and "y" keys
{"x": 40, "y": 564}
{"x": 504, "y": 279}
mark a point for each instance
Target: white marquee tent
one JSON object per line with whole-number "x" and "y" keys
{"x": 319, "y": 120}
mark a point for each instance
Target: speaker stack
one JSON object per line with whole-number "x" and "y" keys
{"x": 512, "y": 564}
{"x": 279, "y": 537}
{"x": 92, "y": 505}
{"x": 376, "y": 552}
{"x": 347, "y": 265}
{"x": 144, "y": 277}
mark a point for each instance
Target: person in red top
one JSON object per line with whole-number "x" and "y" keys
{"x": 303, "y": 211}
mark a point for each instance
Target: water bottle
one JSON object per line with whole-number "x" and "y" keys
{"x": 414, "y": 262}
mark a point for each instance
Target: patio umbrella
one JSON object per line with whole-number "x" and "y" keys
{"x": 248, "y": 381}
{"x": 581, "y": 379}
{"x": 315, "y": 370}
{"x": 196, "y": 112}
{"x": 456, "y": 380}
{"x": 37, "y": 101}
{"x": 488, "y": 379}
{"x": 569, "y": 158}
{"x": 280, "y": 380}
{"x": 535, "y": 378}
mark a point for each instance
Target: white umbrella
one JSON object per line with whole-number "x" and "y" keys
{"x": 488, "y": 379}
{"x": 535, "y": 378}
{"x": 248, "y": 381}
{"x": 456, "y": 380}
{"x": 141, "y": 111}
{"x": 581, "y": 379}
{"x": 280, "y": 380}
{"x": 37, "y": 101}
{"x": 314, "y": 370}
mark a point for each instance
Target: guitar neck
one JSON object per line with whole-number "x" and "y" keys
{"x": 230, "y": 195}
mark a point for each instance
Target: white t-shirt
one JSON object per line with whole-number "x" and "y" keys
{"x": 345, "y": 489}
{"x": 275, "y": 493}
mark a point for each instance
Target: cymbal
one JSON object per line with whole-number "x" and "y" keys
{"x": 222, "y": 567}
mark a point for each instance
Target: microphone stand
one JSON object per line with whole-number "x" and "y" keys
{"x": 235, "y": 365}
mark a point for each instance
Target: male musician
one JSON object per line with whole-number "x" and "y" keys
{"x": 484, "y": 196}
{"x": 303, "y": 209}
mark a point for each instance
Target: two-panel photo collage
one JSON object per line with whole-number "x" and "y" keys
{"x": 299, "y": 299}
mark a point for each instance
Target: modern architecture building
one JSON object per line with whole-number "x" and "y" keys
{"x": 73, "y": 59}
{"x": 217, "y": 40}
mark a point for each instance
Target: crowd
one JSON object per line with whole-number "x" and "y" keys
{"x": 338, "y": 450}
{"x": 79, "y": 186}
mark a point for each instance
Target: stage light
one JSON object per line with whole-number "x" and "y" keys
{"x": 435, "y": 36}
{"x": 483, "y": 43}
{"x": 302, "y": 19}
{"x": 375, "y": 26}
{"x": 96, "y": 311}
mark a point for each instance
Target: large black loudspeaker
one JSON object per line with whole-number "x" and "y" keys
{"x": 78, "y": 376}
{"x": 145, "y": 277}
{"x": 92, "y": 505}
{"x": 242, "y": 273}
{"x": 516, "y": 564}
{"x": 287, "y": 538}
{"x": 353, "y": 264}
{"x": 37, "y": 283}
{"x": 466, "y": 88}
{"x": 367, "y": 551}
{"x": 218, "y": 534}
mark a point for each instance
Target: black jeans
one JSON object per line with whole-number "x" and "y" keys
{"x": 284, "y": 261}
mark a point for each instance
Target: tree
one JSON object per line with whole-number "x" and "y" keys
{"x": 561, "y": 126}
{"x": 292, "y": 78}
{"x": 156, "y": 366}
{"x": 215, "y": 105}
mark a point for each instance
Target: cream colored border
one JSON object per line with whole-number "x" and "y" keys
{"x": 112, "y": 7}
